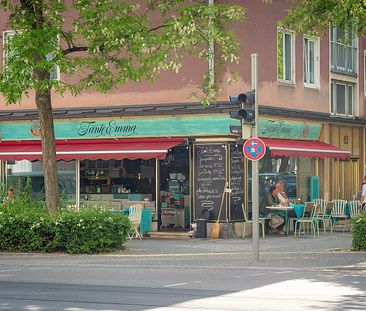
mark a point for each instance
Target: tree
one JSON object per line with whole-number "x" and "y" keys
{"x": 105, "y": 43}
{"x": 316, "y": 16}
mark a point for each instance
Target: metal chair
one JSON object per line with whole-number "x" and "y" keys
{"x": 311, "y": 220}
{"x": 135, "y": 217}
{"x": 261, "y": 220}
{"x": 354, "y": 210}
{"x": 322, "y": 214}
{"x": 339, "y": 211}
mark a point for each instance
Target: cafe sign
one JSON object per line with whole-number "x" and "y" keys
{"x": 123, "y": 128}
{"x": 288, "y": 129}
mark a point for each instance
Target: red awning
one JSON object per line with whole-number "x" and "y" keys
{"x": 304, "y": 149}
{"x": 92, "y": 149}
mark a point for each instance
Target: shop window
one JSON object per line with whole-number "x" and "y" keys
{"x": 285, "y": 56}
{"x": 295, "y": 172}
{"x": 175, "y": 171}
{"x": 117, "y": 179}
{"x": 19, "y": 171}
{"x": 174, "y": 189}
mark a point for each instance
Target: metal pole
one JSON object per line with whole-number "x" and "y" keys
{"x": 255, "y": 181}
{"x": 77, "y": 182}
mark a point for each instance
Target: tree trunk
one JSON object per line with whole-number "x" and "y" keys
{"x": 44, "y": 107}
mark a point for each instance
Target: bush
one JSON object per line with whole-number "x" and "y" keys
{"x": 26, "y": 226}
{"x": 359, "y": 232}
{"x": 90, "y": 230}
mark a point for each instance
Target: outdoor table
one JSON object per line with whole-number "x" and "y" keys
{"x": 299, "y": 210}
{"x": 284, "y": 209}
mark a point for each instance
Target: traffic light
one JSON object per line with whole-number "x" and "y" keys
{"x": 247, "y": 110}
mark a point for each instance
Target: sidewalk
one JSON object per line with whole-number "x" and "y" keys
{"x": 323, "y": 252}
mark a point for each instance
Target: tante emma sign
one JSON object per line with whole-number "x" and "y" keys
{"x": 119, "y": 128}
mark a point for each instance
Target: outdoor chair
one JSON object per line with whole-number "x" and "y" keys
{"x": 354, "y": 210}
{"x": 308, "y": 220}
{"x": 135, "y": 217}
{"x": 339, "y": 211}
{"x": 322, "y": 214}
{"x": 261, "y": 220}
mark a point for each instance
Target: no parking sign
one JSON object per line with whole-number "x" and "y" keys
{"x": 254, "y": 149}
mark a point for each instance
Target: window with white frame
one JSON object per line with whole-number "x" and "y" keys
{"x": 311, "y": 62}
{"x": 364, "y": 72}
{"x": 343, "y": 98}
{"x": 7, "y": 37}
{"x": 343, "y": 51}
{"x": 7, "y": 53}
{"x": 285, "y": 56}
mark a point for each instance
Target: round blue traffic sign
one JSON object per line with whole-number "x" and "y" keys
{"x": 254, "y": 149}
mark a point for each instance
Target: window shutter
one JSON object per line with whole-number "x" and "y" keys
{"x": 314, "y": 188}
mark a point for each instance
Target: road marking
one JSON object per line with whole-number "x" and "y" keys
{"x": 9, "y": 270}
{"x": 176, "y": 284}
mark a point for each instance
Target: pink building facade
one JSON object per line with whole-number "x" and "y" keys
{"x": 155, "y": 145}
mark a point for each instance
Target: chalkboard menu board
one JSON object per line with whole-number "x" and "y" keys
{"x": 209, "y": 181}
{"x": 236, "y": 181}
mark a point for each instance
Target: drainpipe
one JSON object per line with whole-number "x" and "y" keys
{"x": 77, "y": 183}
{"x": 363, "y": 152}
{"x": 211, "y": 60}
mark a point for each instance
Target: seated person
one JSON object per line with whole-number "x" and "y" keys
{"x": 270, "y": 199}
{"x": 282, "y": 197}
{"x": 284, "y": 201}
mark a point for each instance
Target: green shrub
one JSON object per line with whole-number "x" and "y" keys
{"x": 359, "y": 232}
{"x": 25, "y": 226}
{"x": 90, "y": 230}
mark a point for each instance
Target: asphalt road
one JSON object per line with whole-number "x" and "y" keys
{"x": 293, "y": 274}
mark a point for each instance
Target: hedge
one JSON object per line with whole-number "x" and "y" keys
{"x": 25, "y": 226}
{"x": 359, "y": 232}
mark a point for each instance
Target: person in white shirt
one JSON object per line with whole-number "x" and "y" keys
{"x": 363, "y": 194}
{"x": 280, "y": 185}
{"x": 282, "y": 197}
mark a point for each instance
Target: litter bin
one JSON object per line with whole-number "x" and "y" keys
{"x": 201, "y": 228}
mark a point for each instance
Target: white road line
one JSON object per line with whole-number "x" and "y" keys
{"x": 176, "y": 284}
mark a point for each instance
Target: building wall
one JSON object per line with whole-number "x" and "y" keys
{"x": 258, "y": 34}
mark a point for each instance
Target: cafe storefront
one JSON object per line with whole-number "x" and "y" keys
{"x": 303, "y": 154}
{"x": 178, "y": 165}
{"x": 118, "y": 162}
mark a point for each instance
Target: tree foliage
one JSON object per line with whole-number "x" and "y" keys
{"x": 316, "y": 16}
{"x": 103, "y": 44}
{"x": 110, "y": 42}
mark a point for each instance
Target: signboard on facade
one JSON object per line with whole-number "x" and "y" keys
{"x": 119, "y": 128}
{"x": 288, "y": 129}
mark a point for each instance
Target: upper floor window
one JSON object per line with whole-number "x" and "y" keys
{"x": 343, "y": 98}
{"x": 343, "y": 51}
{"x": 8, "y": 35}
{"x": 285, "y": 56}
{"x": 364, "y": 72}
{"x": 311, "y": 62}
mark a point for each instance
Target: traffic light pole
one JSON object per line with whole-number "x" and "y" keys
{"x": 255, "y": 180}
